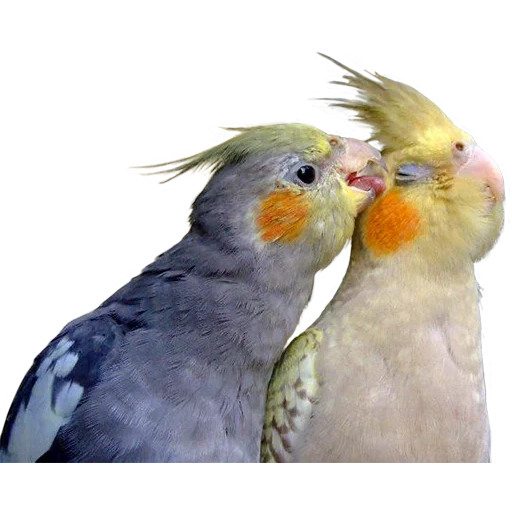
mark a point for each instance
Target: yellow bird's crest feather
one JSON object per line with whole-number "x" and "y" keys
{"x": 401, "y": 118}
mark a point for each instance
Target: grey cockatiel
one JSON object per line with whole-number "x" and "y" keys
{"x": 174, "y": 366}
{"x": 392, "y": 370}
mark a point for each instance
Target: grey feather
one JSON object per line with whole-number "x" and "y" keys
{"x": 174, "y": 366}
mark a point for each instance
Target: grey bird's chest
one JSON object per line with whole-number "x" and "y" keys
{"x": 195, "y": 413}
{"x": 193, "y": 393}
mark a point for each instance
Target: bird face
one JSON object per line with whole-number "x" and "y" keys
{"x": 313, "y": 202}
{"x": 448, "y": 195}
{"x": 287, "y": 192}
{"x": 450, "y": 205}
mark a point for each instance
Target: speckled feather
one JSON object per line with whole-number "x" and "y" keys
{"x": 292, "y": 391}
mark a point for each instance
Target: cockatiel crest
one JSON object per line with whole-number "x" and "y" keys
{"x": 402, "y": 119}
{"x": 253, "y": 141}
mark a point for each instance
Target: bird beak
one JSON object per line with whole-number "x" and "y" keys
{"x": 362, "y": 169}
{"x": 359, "y": 157}
{"x": 479, "y": 165}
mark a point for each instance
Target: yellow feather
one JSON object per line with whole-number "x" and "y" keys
{"x": 405, "y": 121}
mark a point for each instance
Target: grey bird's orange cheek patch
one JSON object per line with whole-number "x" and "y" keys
{"x": 283, "y": 216}
{"x": 391, "y": 223}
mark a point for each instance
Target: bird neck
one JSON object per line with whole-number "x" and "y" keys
{"x": 427, "y": 256}
{"x": 249, "y": 291}
{"x": 403, "y": 285}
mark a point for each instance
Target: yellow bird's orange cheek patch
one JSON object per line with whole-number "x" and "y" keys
{"x": 390, "y": 224}
{"x": 283, "y": 216}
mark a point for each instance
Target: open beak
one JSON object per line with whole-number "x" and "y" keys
{"x": 358, "y": 155}
{"x": 362, "y": 169}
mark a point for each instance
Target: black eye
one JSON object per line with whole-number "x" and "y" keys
{"x": 306, "y": 174}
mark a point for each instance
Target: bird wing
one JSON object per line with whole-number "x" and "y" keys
{"x": 292, "y": 391}
{"x": 54, "y": 388}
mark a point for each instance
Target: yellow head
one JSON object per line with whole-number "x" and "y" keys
{"x": 447, "y": 198}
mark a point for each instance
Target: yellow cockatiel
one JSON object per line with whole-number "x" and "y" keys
{"x": 392, "y": 370}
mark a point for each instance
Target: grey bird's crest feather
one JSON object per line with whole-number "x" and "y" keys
{"x": 231, "y": 151}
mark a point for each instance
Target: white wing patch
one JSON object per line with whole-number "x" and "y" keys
{"x": 38, "y": 421}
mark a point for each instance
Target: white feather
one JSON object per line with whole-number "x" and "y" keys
{"x": 37, "y": 423}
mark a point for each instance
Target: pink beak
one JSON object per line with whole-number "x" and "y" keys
{"x": 364, "y": 167}
{"x": 483, "y": 168}
{"x": 358, "y": 154}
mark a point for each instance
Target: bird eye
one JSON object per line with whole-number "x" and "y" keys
{"x": 306, "y": 174}
{"x": 459, "y": 146}
{"x": 412, "y": 173}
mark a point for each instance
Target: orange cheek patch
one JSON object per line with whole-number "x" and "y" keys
{"x": 390, "y": 224}
{"x": 283, "y": 216}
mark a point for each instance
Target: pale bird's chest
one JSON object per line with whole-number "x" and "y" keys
{"x": 411, "y": 390}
